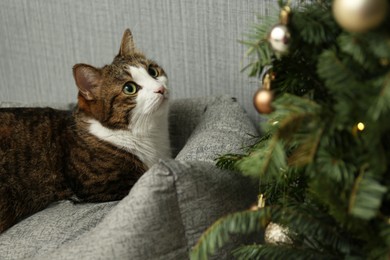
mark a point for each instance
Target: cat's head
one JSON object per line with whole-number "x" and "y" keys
{"x": 132, "y": 86}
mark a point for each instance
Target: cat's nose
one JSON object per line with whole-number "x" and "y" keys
{"x": 160, "y": 90}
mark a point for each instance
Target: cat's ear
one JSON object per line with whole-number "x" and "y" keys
{"x": 87, "y": 79}
{"x": 127, "y": 44}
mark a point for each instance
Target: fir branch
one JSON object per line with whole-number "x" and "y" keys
{"x": 385, "y": 234}
{"x": 291, "y": 185}
{"x": 305, "y": 152}
{"x": 378, "y": 244}
{"x": 309, "y": 222}
{"x": 298, "y": 129}
{"x": 328, "y": 193}
{"x": 297, "y": 220}
{"x": 229, "y": 161}
{"x": 271, "y": 159}
{"x": 381, "y": 105}
{"x": 259, "y": 51}
{"x": 378, "y": 42}
{"x": 277, "y": 252}
{"x": 220, "y": 232}
{"x": 301, "y": 128}
{"x": 345, "y": 82}
{"x": 314, "y": 25}
{"x": 333, "y": 167}
{"x": 335, "y": 73}
{"x": 248, "y": 252}
{"x": 366, "y": 196}
{"x": 359, "y": 50}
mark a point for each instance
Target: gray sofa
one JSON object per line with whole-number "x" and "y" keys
{"x": 197, "y": 44}
{"x": 168, "y": 208}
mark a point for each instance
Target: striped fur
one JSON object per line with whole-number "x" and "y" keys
{"x": 98, "y": 151}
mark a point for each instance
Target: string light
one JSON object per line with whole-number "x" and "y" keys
{"x": 357, "y": 128}
{"x": 360, "y": 126}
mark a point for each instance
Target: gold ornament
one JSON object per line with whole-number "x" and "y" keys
{"x": 276, "y": 234}
{"x": 262, "y": 100}
{"x": 285, "y": 14}
{"x": 360, "y": 15}
{"x": 260, "y": 203}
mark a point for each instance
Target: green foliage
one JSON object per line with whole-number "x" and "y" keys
{"x": 380, "y": 107}
{"x": 220, "y": 232}
{"x": 325, "y": 177}
{"x": 259, "y": 52}
{"x": 272, "y": 159}
{"x": 270, "y": 252}
{"x": 366, "y": 196}
{"x": 313, "y": 228}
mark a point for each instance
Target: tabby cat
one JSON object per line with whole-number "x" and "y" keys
{"x": 97, "y": 152}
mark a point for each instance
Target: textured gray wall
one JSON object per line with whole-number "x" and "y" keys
{"x": 195, "y": 41}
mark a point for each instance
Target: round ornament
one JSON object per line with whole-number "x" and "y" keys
{"x": 276, "y": 234}
{"x": 280, "y": 38}
{"x": 262, "y": 101}
{"x": 360, "y": 15}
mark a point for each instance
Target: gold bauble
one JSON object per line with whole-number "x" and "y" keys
{"x": 262, "y": 101}
{"x": 360, "y": 15}
{"x": 276, "y": 234}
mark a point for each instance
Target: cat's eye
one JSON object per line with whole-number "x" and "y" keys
{"x": 153, "y": 72}
{"x": 130, "y": 88}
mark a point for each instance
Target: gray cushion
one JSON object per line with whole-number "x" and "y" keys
{"x": 165, "y": 212}
{"x": 51, "y": 228}
{"x": 224, "y": 127}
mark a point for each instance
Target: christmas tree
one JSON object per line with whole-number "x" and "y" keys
{"x": 322, "y": 162}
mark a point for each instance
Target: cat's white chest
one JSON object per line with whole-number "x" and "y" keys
{"x": 149, "y": 144}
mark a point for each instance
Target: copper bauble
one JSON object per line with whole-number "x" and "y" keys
{"x": 360, "y": 15}
{"x": 262, "y": 100}
{"x": 280, "y": 38}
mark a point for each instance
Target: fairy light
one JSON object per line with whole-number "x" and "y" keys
{"x": 360, "y": 126}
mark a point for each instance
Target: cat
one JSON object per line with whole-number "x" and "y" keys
{"x": 95, "y": 153}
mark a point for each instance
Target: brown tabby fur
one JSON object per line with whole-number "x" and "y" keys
{"x": 48, "y": 155}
